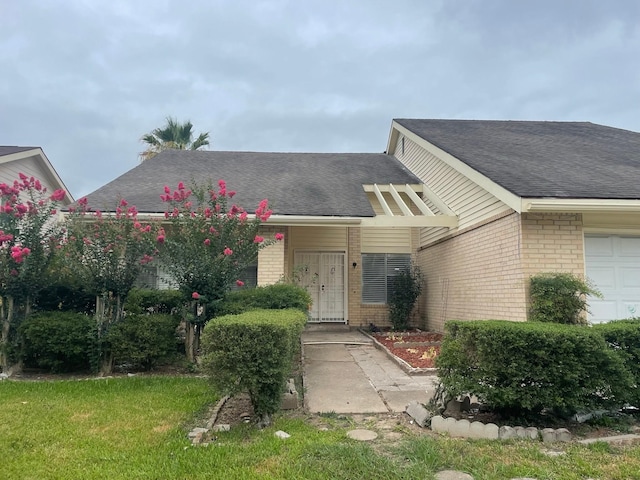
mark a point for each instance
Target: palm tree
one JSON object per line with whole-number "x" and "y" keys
{"x": 173, "y": 135}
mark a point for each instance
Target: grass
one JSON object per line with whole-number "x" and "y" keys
{"x": 135, "y": 428}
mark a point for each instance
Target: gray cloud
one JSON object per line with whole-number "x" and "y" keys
{"x": 85, "y": 79}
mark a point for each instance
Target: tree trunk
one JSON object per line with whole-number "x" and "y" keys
{"x": 189, "y": 340}
{"x": 106, "y": 363}
{"x": 103, "y": 311}
{"x": 7, "y": 318}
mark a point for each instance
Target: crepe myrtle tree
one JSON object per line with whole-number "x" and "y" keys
{"x": 106, "y": 252}
{"x": 29, "y": 234}
{"x": 208, "y": 241}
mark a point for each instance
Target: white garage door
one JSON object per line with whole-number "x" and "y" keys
{"x": 613, "y": 264}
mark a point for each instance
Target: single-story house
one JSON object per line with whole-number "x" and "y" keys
{"x": 32, "y": 162}
{"x": 480, "y": 206}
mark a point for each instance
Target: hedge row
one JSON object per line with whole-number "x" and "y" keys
{"x": 277, "y": 297}
{"x": 61, "y": 341}
{"x": 528, "y": 367}
{"x": 623, "y": 336}
{"x": 253, "y": 352}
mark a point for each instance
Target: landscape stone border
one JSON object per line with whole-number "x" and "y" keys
{"x": 490, "y": 431}
{"x": 401, "y": 363}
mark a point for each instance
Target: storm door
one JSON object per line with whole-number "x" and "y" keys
{"x": 323, "y": 275}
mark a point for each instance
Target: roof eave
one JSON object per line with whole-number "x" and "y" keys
{"x": 579, "y": 205}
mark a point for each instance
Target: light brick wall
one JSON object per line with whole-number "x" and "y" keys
{"x": 474, "y": 275}
{"x": 272, "y": 260}
{"x": 483, "y": 272}
{"x": 551, "y": 242}
{"x": 354, "y": 276}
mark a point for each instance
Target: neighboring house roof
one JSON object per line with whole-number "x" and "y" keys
{"x": 309, "y": 184}
{"x": 32, "y": 162}
{"x": 8, "y": 150}
{"x": 533, "y": 159}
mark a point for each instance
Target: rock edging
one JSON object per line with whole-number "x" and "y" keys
{"x": 490, "y": 431}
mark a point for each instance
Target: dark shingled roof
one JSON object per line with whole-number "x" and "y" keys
{"x": 7, "y": 150}
{"x": 542, "y": 159}
{"x": 295, "y": 183}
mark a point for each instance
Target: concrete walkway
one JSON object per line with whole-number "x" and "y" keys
{"x": 345, "y": 373}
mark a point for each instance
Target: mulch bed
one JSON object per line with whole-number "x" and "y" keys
{"x": 419, "y": 349}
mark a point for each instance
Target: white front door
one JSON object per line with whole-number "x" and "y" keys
{"x": 323, "y": 275}
{"x": 613, "y": 264}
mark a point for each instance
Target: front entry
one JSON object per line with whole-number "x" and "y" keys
{"x": 323, "y": 275}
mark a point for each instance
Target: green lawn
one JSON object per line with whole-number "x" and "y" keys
{"x": 135, "y": 428}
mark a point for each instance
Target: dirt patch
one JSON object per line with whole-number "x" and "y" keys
{"x": 236, "y": 410}
{"x": 418, "y": 349}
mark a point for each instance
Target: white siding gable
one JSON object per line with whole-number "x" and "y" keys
{"x": 470, "y": 202}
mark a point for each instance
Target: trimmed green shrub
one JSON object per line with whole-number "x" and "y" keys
{"x": 58, "y": 341}
{"x": 144, "y": 341}
{"x": 407, "y": 286}
{"x": 623, "y": 336}
{"x": 278, "y": 296}
{"x": 253, "y": 352}
{"x": 143, "y": 300}
{"x": 560, "y": 298}
{"x": 65, "y": 297}
{"x": 528, "y": 367}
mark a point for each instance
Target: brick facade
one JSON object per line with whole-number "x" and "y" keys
{"x": 483, "y": 272}
{"x": 272, "y": 260}
{"x": 474, "y": 275}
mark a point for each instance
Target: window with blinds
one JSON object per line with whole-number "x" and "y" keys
{"x": 378, "y": 272}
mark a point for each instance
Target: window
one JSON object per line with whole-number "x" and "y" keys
{"x": 249, "y": 276}
{"x": 378, "y": 270}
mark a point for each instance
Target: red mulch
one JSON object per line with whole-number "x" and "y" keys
{"x": 418, "y": 356}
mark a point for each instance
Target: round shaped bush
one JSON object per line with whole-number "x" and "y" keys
{"x": 58, "y": 341}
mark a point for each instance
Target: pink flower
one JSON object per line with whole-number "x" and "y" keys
{"x": 14, "y": 272}
{"x": 279, "y": 236}
{"x": 181, "y": 186}
{"x": 240, "y": 283}
{"x": 123, "y": 203}
{"x": 160, "y": 239}
{"x": 243, "y": 216}
{"x": 167, "y": 190}
{"x": 258, "y": 239}
{"x": 58, "y": 195}
{"x": 5, "y": 237}
{"x": 227, "y": 251}
{"x": 212, "y": 230}
{"x": 265, "y": 216}
{"x": 146, "y": 259}
{"x": 231, "y": 193}
{"x": 207, "y": 242}
{"x": 137, "y": 225}
{"x": 195, "y": 295}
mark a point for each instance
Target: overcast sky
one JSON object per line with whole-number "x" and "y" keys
{"x": 85, "y": 79}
